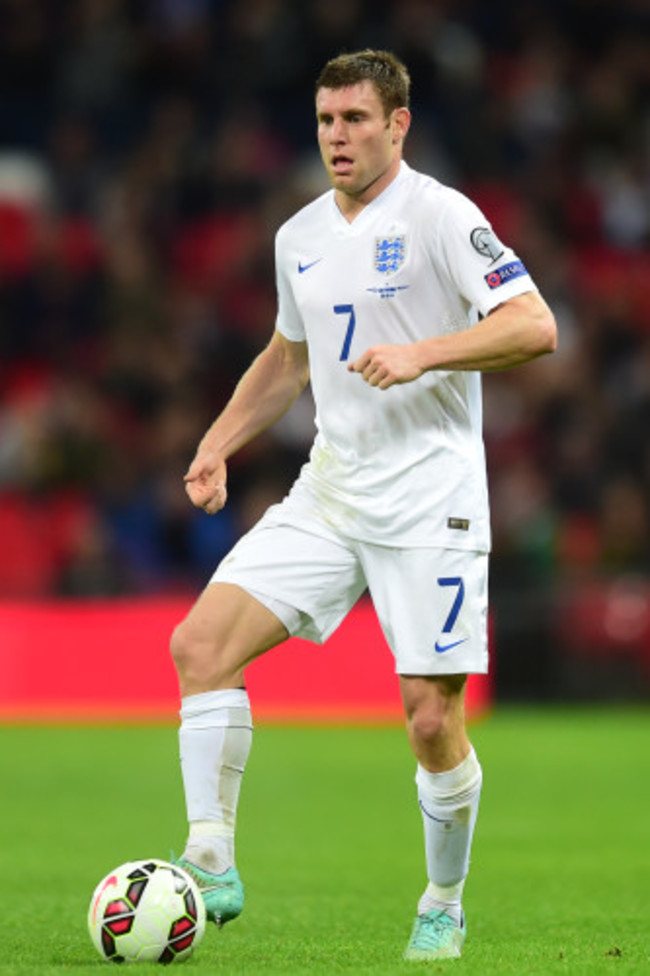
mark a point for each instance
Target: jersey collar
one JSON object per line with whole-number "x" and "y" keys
{"x": 342, "y": 226}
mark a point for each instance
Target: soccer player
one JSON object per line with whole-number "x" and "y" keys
{"x": 394, "y": 293}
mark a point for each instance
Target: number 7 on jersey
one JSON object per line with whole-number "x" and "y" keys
{"x": 352, "y": 321}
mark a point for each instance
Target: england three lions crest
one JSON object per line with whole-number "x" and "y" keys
{"x": 390, "y": 253}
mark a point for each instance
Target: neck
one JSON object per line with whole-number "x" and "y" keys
{"x": 351, "y": 204}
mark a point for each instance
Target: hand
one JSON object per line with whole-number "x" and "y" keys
{"x": 383, "y": 366}
{"x": 205, "y": 482}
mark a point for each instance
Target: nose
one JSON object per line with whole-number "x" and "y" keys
{"x": 338, "y": 131}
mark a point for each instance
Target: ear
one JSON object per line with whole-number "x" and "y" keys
{"x": 400, "y": 122}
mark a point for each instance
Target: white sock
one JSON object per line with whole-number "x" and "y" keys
{"x": 215, "y": 740}
{"x": 449, "y": 803}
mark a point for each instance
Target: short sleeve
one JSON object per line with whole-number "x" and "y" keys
{"x": 289, "y": 321}
{"x": 485, "y": 271}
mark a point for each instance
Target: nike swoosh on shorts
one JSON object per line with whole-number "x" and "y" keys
{"x": 441, "y": 648}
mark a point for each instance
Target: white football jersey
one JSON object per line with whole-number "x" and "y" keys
{"x": 403, "y": 466}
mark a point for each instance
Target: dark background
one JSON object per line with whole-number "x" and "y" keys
{"x": 149, "y": 151}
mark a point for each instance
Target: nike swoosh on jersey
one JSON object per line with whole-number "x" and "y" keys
{"x": 441, "y": 648}
{"x": 305, "y": 267}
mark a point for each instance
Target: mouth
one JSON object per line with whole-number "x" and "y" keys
{"x": 341, "y": 164}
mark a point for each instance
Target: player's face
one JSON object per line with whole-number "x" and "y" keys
{"x": 360, "y": 146}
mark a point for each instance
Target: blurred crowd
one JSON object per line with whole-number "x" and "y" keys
{"x": 148, "y": 152}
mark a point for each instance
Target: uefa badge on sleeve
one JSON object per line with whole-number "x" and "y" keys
{"x": 486, "y": 243}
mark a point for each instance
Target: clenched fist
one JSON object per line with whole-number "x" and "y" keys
{"x": 382, "y": 366}
{"x": 205, "y": 482}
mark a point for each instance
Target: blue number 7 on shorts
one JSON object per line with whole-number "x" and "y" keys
{"x": 458, "y": 600}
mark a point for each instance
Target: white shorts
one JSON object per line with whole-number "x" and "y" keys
{"x": 431, "y": 602}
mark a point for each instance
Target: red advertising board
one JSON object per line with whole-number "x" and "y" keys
{"x": 109, "y": 661}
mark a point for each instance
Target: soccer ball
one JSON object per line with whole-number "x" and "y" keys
{"x": 146, "y": 911}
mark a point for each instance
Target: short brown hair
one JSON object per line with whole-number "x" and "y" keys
{"x": 386, "y": 72}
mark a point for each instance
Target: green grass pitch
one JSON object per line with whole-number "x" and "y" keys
{"x": 330, "y": 846}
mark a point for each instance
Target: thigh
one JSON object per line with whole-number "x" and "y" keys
{"x": 308, "y": 580}
{"x": 432, "y": 606}
{"x": 225, "y": 630}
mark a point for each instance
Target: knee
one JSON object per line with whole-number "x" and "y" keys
{"x": 428, "y": 725}
{"x": 435, "y": 720}
{"x": 195, "y": 658}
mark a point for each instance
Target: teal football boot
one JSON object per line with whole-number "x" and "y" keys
{"x": 223, "y": 894}
{"x": 435, "y": 936}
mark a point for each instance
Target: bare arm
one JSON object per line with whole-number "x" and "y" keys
{"x": 517, "y": 331}
{"x": 264, "y": 393}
